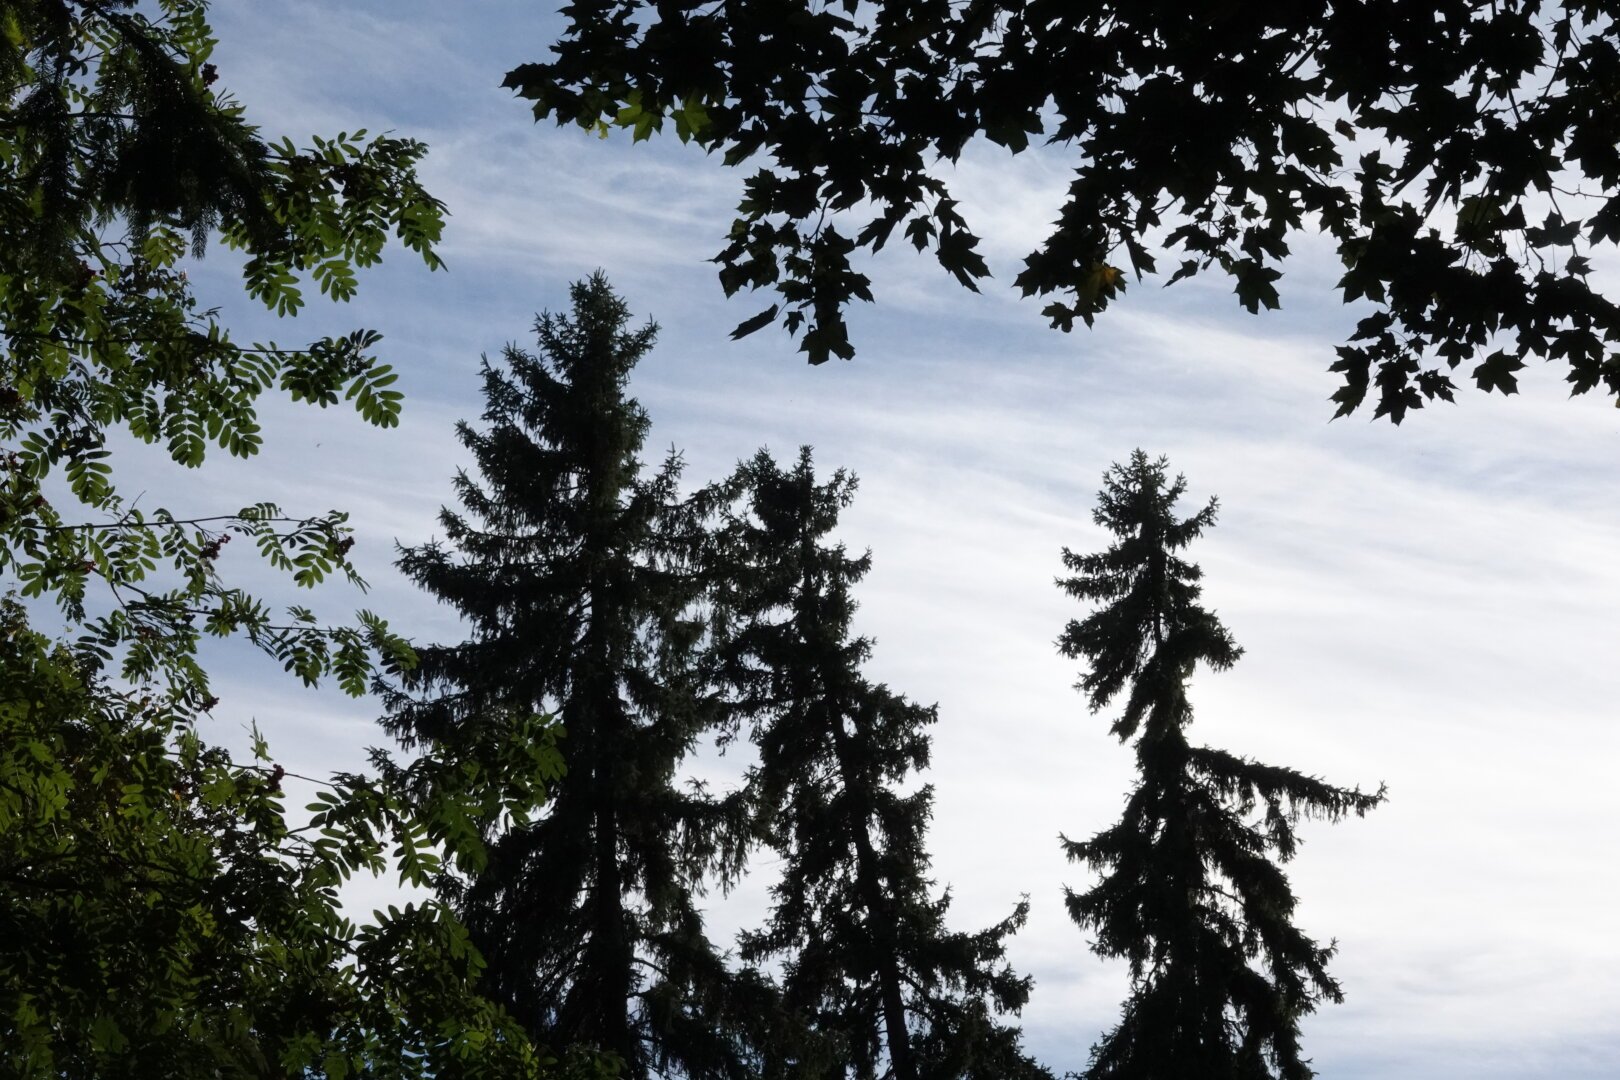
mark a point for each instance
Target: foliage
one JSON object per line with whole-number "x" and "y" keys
{"x": 163, "y": 918}
{"x": 883, "y": 987}
{"x": 162, "y": 914}
{"x": 1189, "y": 893}
{"x": 1461, "y": 156}
{"x": 116, "y": 155}
{"x": 576, "y": 576}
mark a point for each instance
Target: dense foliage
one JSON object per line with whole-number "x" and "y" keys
{"x": 868, "y": 964}
{"x": 1189, "y": 892}
{"x": 162, "y": 913}
{"x": 162, "y": 916}
{"x": 1462, "y": 157}
{"x": 117, "y": 155}
{"x": 580, "y": 581}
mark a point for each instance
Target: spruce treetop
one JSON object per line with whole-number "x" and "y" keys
{"x": 1191, "y": 891}
{"x": 874, "y": 981}
{"x": 578, "y": 574}
{"x": 1150, "y": 614}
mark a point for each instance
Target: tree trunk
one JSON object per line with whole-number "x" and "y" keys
{"x": 880, "y": 918}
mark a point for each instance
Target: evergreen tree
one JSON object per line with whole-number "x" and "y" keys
{"x": 1189, "y": 893}
{"x": 574, "y": 573}
{"x": 867, "y": 961}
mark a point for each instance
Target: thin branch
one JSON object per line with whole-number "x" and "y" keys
{"x": 160, "y": 524}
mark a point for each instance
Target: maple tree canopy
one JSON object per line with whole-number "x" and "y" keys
{"x": 1462, "y": 155}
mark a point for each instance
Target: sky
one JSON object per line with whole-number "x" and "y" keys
{"x": 1430, "y": 606}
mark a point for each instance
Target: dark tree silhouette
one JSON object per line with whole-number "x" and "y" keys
{"x": 1190, "y": 893}
{"x": 867, "y": 960}
{"x": 574, "y": 572}
{"x": 1460, "y": 156}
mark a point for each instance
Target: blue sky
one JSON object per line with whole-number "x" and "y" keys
{"x": 1430, "y": 606}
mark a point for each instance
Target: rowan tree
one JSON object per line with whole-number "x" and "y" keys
{"x": 1191, "y": 891}
{"x": 869, "y": 967}
{"x": 163, "y": 913}
{"x": 120, "y": 153}
{"x": 1461, "y": 157}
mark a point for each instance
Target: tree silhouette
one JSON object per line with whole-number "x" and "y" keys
{"x": 1189, "y": 892}
{"x": 885, "y": 988}
{"x": 1459, "y": 156}
{"x": 576, "y": 575}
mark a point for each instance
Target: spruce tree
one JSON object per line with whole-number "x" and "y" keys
{"x": 573, "y": 570}
{"x": 867, "y": 962}
{"x": 1190, "y": 892}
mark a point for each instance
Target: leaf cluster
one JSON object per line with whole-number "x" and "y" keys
{"x": 117, "y": 153}
{"x": 1460, "y": 156}
{"x": 163, "y": 916}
